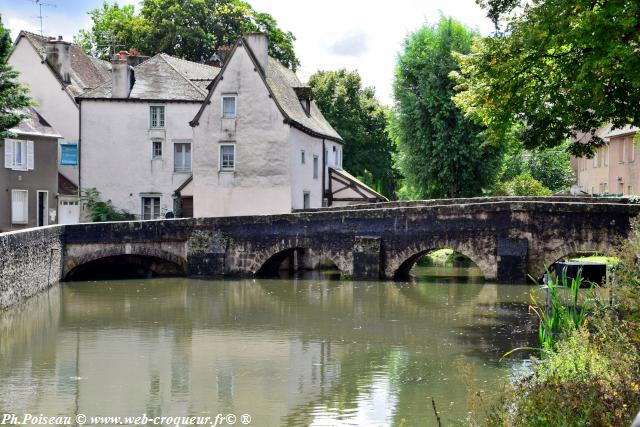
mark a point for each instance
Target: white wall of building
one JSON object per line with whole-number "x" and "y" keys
{"x": 54, "y": 103}
{"x": 302, "y": 177}
{"x": 117, "y": 151}
{"x": 260, "y": 183}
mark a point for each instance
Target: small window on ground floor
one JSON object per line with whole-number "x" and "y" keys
{"x": 150, "y": 207}
{"x": 156, "y": 149}
{"x": 306, "y": 200}
{"x": 19, "y": 206}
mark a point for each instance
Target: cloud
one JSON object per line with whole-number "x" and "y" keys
{"x": 351, "y": 44}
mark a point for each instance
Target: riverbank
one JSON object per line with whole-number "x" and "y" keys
{"x": 590, "y": 373}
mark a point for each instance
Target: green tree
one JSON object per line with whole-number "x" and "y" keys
{"x": 358, "y": 117}
{"x": 13, "y": 96}
{"x": 440, "y": 152}
{"x": 190, "y": 29}
{"x": 559, "y": 68}
{"x": 522, "y": 185}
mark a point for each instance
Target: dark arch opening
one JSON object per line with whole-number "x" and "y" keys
{"x": 441, "y": 264}
{"x": 591, "y": 264}
{"x": 298, "y": 262}
{"x": 120, "y": 267}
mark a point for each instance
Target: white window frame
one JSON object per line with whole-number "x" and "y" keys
{"x": 150, "y": 196}
{"x": 153, "y": 149}
{"x": 235, "y": 106}
{"x": 316, "y": 166}
{"x": 235, "y": 157}
{"x": 27, "y": 154}
{"x": 25, "y": 210}
{"x": 183, "y": 169}
{"x": 605, "y": 155}
{"x": 46, "y": 216}
{"x": 632, "y": 155}
{"x": 164, "y": 116}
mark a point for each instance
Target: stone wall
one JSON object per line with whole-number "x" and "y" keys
{"x": 30, "y": 261}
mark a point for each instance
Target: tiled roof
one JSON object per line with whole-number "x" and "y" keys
{"x": 282, "y": 82}
{"x": 35, "y": 124}
{"x": 66, "y": 187}
{"x": 165, "y": 78}
{"x": 86, "y": 72}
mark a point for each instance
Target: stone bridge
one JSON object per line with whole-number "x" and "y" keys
{"x": 507, "y": 238}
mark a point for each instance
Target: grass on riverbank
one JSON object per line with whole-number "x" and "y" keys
{"x": 591, "y": 375}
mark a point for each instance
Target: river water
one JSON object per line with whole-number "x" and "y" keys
{"x": 294, "y": 352}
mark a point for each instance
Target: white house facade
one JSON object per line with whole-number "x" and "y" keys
{"x": 261, "y": 144}
{"x": 137, "y": 145}
{"x": 57, "y": 71}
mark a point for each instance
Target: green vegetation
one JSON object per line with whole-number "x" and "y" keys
{"x": 441, "y": 154}
{"x": 358, "y": 117}
{"x": 589, "y": 372}
{"x": 13, "y": 95}
{"x": 609, "y": 260}
{"x": 190, "y": 29}
{"x": 522, "y": 185}
{"x": 103, "y": 211}
{"x": 555, "y": 68}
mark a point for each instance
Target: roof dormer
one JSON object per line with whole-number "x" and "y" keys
{"x": 305, "y": 96}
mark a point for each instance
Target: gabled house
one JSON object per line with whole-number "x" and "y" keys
{"x": 135, "y": 134}
{"x": 57, "y": 71}
{"x": 29, "y": 178}
{"x": 261, "y": 144}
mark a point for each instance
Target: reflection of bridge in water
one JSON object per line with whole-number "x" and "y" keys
{"x": 220, "y": 340}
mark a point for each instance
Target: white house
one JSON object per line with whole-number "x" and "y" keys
{"x": 262, "y": 146}
{"x": 57, "y": 71}
{"x": 135, "y": 134}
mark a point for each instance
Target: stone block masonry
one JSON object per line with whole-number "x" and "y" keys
{"x": 30, "y": 261}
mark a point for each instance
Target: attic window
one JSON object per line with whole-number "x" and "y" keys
{"x": 305, "y": 96}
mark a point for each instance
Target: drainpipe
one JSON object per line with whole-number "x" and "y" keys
{"x": 324, "y": 167}
{"x": 80, "y": 157}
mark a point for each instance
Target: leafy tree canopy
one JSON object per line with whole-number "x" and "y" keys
{"x": 190, "y": 29}
{"x": 558, "y": 68}
{"x": 13, "y": 96}
{"x": 522, "y": 185}
{"x": 440, "y": 151}
{"x": 358, "y": 117}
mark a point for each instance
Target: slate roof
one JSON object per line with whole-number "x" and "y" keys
{"x": 280, "y": 82}
{"x": 164, "y": 78}
{"x": 66, "y": 187}
{"x": 86, "y": 72}
{"x": 35, "y": 124}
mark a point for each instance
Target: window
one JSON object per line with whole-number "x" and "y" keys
{"x": 229, "y": 107}
{"x": 19, "y": 206}
{"x": 69, "y": 153}
{"x": 335, "y": 156}
{"x": 631, "y": 150}
{"x": 595, "y": 158}
{"x": 306, "y": 200}
{"x": 150, "y": 207}
{"x": 182, "y": 157}
{"x": 157, "y": 116}
{"x": 302, "y": 159}
{"x": 156, "y": 149}
{"x": 18, "y": 154}
{"x": 315, "y": 167}
{"x": 227, "y": 157}
{"x": 605, "y": 155}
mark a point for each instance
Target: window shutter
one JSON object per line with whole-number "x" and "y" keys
{"x": 30, "y": 155}
{"x": 8, "y": 153}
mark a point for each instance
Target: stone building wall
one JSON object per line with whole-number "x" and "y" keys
{"x": 30, "y": 261}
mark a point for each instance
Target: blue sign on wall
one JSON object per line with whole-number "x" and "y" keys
{"x": 69, "y": 155}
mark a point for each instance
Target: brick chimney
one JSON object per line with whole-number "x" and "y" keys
{"x": 259, "y": 45}
{"x": 58, "y": 57}
{"x": 135, "y": 57}
{"x": 122, "y": 78}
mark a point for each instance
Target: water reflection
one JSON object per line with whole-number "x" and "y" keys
{"x": 288, "y": 352}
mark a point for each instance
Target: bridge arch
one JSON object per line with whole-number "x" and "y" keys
{"x": 566, "y": 249}
{"x": 265, "y": 260}
{"x": 400, "y": 264}
{"x": 156, "y": 261}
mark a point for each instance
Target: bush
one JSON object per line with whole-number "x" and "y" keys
{"x": 522, "y": 185}
{"x": 103, "y": 211}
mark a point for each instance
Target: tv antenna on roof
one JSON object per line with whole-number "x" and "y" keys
{"x": 110, "y": 43}
{"x": 40, "y": 16}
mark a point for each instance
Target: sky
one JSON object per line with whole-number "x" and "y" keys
{"x": 331, "y": 34}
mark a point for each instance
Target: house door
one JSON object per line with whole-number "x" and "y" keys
{"x": 43, "y": 208}
{"x": 68, "y": 211}
{"x": 187, "y": 207}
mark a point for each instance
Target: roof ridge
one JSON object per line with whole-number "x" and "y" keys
{"x": 162, "y": 54}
